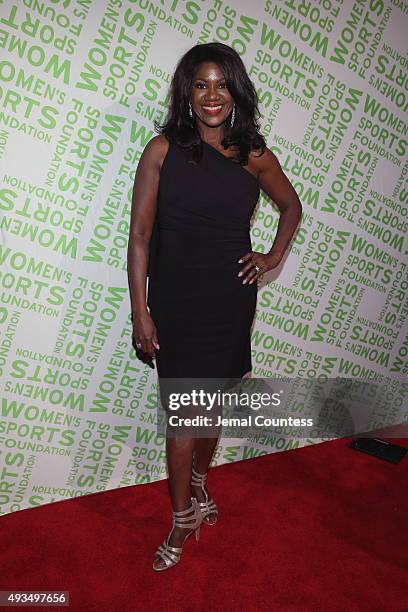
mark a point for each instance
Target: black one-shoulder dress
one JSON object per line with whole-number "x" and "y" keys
{"x": 202, "y": 311}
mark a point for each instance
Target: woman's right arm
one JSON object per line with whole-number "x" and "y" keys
{"x": 143, "y": 212}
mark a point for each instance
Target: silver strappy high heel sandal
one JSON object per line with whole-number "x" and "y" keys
{"x": 208, "y": 506}
{"x": 171, "y": 554}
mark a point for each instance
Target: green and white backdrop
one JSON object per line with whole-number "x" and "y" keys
{"x": 80, "y": 84}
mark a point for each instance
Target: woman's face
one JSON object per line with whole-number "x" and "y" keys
{"x": 211, "y": 101}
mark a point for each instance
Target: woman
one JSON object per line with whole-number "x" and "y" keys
{"x": 196, "y": 186}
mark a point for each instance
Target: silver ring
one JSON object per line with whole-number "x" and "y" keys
{"x": 138, "y": 345}
{"x": 257, "y": 268}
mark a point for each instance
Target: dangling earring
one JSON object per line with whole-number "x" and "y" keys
{"x": 190, "y": 110}
{"x": 233, "y": 116}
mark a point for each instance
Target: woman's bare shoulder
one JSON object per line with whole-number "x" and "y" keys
{"x": 262, "y": 158}
{"x": 261, "y": 153}
{"x": 156, "y": 149}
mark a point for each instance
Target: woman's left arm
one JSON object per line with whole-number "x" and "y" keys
{"x": 273, "y": 181}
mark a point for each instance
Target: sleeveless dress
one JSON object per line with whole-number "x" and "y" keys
{"x": 202, "y": 311}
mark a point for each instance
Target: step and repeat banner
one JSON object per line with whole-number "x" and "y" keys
{"x": 81, "y": 82}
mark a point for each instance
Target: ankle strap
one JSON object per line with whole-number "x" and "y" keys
{"x": 197, "y": 478}
{"x": 181, "y": 520}
{"x": 179, "y": 513}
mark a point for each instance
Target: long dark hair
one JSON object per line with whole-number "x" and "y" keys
{"x": 180, "y": 128}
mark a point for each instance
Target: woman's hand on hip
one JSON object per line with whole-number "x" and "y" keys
{"x": 256, "y": 265}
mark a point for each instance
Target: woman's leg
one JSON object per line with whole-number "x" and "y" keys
{"x": 179, "y": 455}
{"x": 203, "y": 452}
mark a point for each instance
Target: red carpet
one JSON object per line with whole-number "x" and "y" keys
{"x": 318, "y": 528}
